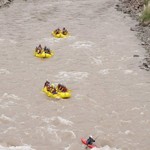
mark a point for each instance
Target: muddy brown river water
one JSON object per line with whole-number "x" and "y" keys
{"x": 111, "y": 94}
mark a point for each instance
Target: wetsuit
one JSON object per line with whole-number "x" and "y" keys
{"x": 90, "y": 141}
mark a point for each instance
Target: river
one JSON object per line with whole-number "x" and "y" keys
{"x": 110, "y": 93}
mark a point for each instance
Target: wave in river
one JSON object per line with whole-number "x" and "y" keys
{"x": 16, "y": 148}
{"x": 105, "y": 148}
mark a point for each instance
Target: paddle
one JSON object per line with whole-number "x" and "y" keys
{"x": 96, "y": 137}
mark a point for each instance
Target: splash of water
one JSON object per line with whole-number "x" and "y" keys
{"x": 83, "y": 44}
{"x": 62, "y": 120}
{"x": 63, "y": 75}
{"x": 105, "y": 148}
{"x": 16, "y": 148}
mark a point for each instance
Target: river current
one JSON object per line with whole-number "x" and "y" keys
{"x": 110, "y": 93}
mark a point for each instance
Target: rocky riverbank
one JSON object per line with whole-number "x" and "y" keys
{"x": 5, "y": 3}
{"x": 134, "y": 9}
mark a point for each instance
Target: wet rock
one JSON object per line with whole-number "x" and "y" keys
{"x": 117, "y": 5}
{"x": 143, "y": 43}
{"x": 135, "y": 55}
{"x": 146, "y": 23}
{"x": 147, "y": 59}
{"x": 145, "y": 65}
{"x": 132, "y": 29}
{"x": 127, "y": 11}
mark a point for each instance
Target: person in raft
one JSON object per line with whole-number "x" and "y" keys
{"x": 64, "y": 31}
{"x": 90, "y": 140}
{"x": 62, "y": 88}
{"x": 52, "y": 89}
{"x": 47, "y": 50}
{"x": 46, "y": 84}
{"x": 38, "y": 49}
{"x": 57, "y": 31}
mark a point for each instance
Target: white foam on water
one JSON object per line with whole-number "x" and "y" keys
{"x": 40, "y": 131}
{"x": 45, "y": 119}
{"x": 26, "y": 147}
{"x": 71, "y": 38}
{"x": 51, "y": 129}
{"x": 53, "y": 132}
{"x": 10, "y": 128}
{"x": 50, "y": 41}
{"x": 68, "y": 147}
{"x": 79, "y": 97}
{"x": 142, "y": 113}
{"x": 63, "y": 2}
{"x": 105, "y": 148}
{"x": 104, "y": 71}
{"x": 128, "y": 132}
{"x": 124, "y": 58}
{"x": 35, "y": 117}
{"x": 7, "y": 104}
{"x": 2, "y": 40}
{"x": 70, "y": 133}
{"x": 4, "y": 71}
{"x": 75, "y": 76}
{"x": 82, "y": 44}
{"x": 62, "y": 120}
{"x": 6, "y": 100}
{"x": 128, "y": 71}
{"x": 5, "y": 118}
{"x": 135, "y": 108}
{"x": 13, "y": 41}
{"x": 10, "y": 96}
{"x": 125, "y": 121}
{"x": 145, "y": 121}
{"x": 114, "y": 112}
{"x": 96, "y": 60}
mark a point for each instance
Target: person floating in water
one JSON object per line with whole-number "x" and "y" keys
{"x": 90, "y": 140}
{"x": 64, "y": 31}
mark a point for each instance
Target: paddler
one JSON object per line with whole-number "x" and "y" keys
{"x": 90, "y": 140}
{"x": 47, "y": 83}
{"x": 64, "y": 31}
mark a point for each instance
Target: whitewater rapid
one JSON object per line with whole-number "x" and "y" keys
{"x": 110, "y": 93}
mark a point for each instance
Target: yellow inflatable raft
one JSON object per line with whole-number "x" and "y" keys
{"x": 49, "y": 94}
{"x": 65, "y": 94}
{"x": 43, "y": 54}
{"x": 59, "y": 35}
{"x": 59, "y": 95}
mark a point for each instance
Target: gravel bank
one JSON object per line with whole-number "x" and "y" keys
{"x": 134, "y": 8}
